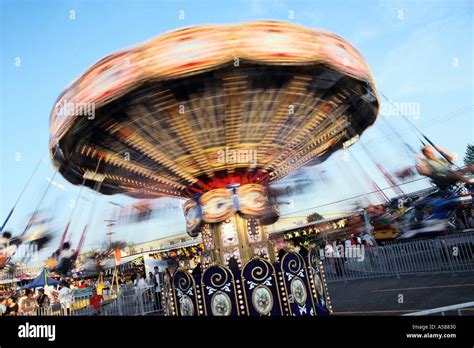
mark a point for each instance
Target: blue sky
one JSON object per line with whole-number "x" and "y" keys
{"x": 420, "y": 52}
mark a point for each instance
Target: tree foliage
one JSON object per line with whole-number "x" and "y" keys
{"x": 314, "y": 217}
{"x": 469, "y": 157}
{"x": 118, "y": 244}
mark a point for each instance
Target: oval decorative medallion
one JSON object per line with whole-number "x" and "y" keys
{"x": 319, "y": 284}
{"x": 186, "y": 306}
{"x": 221, "y": 304}
{"x": 262, "y": 299}
{"x": 298, "y": 290}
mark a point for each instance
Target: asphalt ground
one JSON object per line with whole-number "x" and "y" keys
{"x": 398, "y": 296}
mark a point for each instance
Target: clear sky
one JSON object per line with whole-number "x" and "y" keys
{"x": 421, "y": 54}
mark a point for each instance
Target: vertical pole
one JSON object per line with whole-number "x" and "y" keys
{"x": 246, "y": 252}
{"x": 394, "y": 261}
{"x": 448, "y": 256}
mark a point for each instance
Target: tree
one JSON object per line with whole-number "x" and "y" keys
{"x": 469, "y": 157}
{"x": 119, "y": 244}
{"x": 314, "y": 217}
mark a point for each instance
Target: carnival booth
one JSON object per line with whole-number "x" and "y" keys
{"x": 172, "y": 258}
{"x": 127, "y": 267}
{"x": 313, "y": 233}
{"x": 132, "y": 265}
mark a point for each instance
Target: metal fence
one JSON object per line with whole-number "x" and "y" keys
{"x": 128, "y": 301}
{"x": 465, "y": 233}
{"x": 451, "y": 254}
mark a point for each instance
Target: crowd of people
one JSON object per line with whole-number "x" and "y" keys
{"x": 24, "y": 304}
{"x": 27, "y": 302}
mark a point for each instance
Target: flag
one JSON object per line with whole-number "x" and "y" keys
{"x": 117, "y": 256}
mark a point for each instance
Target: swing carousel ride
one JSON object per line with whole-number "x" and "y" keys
{"x": 214, "y": 115}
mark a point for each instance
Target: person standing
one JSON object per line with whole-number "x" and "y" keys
{"x": 22, "y": 298}
{"x": 167, "y": 278}
{"x": 3, "y": 306}
{"x": 158, "y": 288}
{"x": 42, "y": 301}
{"x": 348, "y": 242}
{"x": 27, "y": 306}
{"x": 65, "y": 297}
{"x": 151, "y": 280}
{"x": 51, "y": 292}
{"x": 95, "y": 301}
{"x": 12, "y": 306}
{"x": 140, "y": 285}
{"x": 330, "y": 254}
{"x": 139, "y": 282}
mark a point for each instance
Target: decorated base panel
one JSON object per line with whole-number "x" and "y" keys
{"x": 294, "y": 286}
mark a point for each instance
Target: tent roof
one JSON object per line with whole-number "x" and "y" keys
{"x": 39, "y": 281}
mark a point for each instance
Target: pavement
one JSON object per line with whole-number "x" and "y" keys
{"x": 398, "y": 296}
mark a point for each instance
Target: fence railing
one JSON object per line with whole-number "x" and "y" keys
{"x": 464, "y": 233}
{"x": 135, "y": 301}
{"x": 452, "y": 254}
{"x": 128, "y": 301}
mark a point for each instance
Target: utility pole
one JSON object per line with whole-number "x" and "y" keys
{"x": 110, "y": 225}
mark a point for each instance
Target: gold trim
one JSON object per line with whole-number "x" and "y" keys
{"x": 232, "y": 280}
{"x": 302, "y": 262}
{"x": 273, "y": 274}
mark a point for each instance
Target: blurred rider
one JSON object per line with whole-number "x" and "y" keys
{"x": 439, "y": 168}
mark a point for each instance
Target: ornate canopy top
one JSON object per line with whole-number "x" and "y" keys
{"x": 204, "y": 107}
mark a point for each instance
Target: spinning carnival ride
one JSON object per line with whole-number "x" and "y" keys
{"x": 214, "y": 115}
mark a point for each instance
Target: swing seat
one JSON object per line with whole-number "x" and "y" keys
{"x": 64, "y": 266}
{"x": 444, "y": 180}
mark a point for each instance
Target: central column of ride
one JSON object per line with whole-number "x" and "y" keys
{"x": 231, "y": 221}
